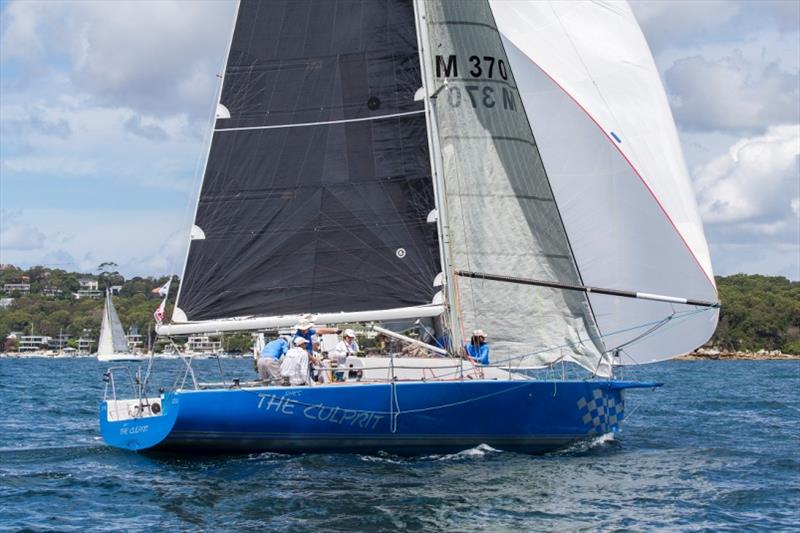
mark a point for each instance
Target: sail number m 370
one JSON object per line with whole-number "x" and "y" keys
{"x": 479, "y": 67}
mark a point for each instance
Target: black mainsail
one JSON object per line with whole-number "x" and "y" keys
{"x": 317, "y": 189}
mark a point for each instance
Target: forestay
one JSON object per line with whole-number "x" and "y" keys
{"x": 608, "y": 142}
{"x": 317, "y": 189}
{"x": 501, "y": 211}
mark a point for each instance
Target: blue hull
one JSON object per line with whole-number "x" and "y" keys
{"x": 404, "y": 418}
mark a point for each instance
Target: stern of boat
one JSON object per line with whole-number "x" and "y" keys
{"x": 137, "y": 424}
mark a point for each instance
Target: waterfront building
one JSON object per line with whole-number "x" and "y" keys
{"x": 202, "y": 344}
{"x": 86, "y": 345}
{"x": 59, "y": 342}
{"x": 5, "y": 303}
{"x": 135, "y": 342}
{"x": 34, "y": 343}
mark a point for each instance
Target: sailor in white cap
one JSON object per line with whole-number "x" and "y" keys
{"x": 345, "y": 347}
{"x": 305, "y": 329}
{"x": 294, "y": 365}
{"x": 478, "y": 349}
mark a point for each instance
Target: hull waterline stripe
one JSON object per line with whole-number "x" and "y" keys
{"x": 587, "y": 289}
{"x": 323, "y": 123}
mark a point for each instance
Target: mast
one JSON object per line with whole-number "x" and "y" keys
{"x": 442, "y": 223}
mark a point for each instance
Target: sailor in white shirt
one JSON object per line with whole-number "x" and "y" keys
{"x": 294, "y": 364}
{"x": 346, "y": 347}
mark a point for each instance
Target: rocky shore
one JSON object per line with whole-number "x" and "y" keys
{"x": 760, "y": 355}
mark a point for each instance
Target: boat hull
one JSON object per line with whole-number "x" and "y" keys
{"x": 402, "y": 418}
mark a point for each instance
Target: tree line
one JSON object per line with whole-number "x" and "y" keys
{"x": 758, "y": 312}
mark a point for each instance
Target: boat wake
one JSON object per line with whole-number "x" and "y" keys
{"x": 600, "y": 442}
{"x": 478, "y": 452}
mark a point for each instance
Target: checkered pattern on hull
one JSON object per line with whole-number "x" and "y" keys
{"x": 601, "y": 413}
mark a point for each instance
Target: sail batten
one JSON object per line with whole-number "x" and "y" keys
{"x": 324, "y": 123}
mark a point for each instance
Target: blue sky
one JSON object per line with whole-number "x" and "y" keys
{"x": 105, "y": 111}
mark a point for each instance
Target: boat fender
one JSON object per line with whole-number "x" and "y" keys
{"x": 155, "y": 408}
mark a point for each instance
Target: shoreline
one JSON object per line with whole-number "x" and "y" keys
{"x": 720, "y": 355}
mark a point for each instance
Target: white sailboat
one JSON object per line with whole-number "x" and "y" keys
{"x": 112, "y": 346}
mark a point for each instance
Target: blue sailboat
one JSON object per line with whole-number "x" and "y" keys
{"x": 448, "y": 167}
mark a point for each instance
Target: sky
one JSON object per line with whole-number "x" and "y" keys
{"x": 105, "y": 114}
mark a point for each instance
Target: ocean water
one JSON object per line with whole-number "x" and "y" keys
{"x": 717, "y": 448}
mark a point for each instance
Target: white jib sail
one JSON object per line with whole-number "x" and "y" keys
{"x": 112, "y": 336}
{"x": 606, "y": 135}
{"x": 502, "y": 215}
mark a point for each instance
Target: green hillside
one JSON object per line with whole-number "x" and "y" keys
{"x": 758, "y": 312}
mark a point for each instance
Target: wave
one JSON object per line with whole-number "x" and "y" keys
{"x": 51, "y": 453}
{"x": 478, "y": 452}
{"x": 600, "y": 442}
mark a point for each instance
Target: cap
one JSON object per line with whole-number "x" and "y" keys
{"x": 304, "y": 324}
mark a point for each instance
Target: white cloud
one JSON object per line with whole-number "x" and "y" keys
{"x": 16, "y": 234}
{"x": 153, "y": 132}
{"x": 104, "y": 143}
{"x": 666, "y": 22}
{"x": 105, "y": 93}
{"x": 780, "y": 259}
{"x": 140, "y": 242}
{"x": 732, "y": 94}
{"x": 154, "y": 57}
{"x": 785, "y": 13}
{"x": 755, "y": 182}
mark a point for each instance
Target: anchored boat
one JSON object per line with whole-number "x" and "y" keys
{"x": 449, "y": 166}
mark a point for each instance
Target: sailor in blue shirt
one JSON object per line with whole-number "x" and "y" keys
{"x": 478, "y": 349}
{"x": 275, "y": 349}
{"x": 268, "y": 364}
{"x": 306, "y": 330}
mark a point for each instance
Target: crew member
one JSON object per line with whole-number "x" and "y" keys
{"x": 269, "y": 368}
{"x": 305, "y": 329}
{"x": 345, "y": 347}
{"x": 478, "y": 349}
{"x": 294, "y": 365}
